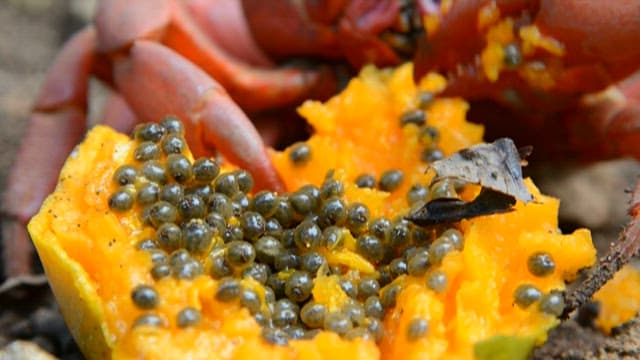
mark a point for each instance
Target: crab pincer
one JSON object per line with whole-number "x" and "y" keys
{"x": 157, "y": 81}
{"x": 557, "y": 68}
{"x": 55, "y": 127}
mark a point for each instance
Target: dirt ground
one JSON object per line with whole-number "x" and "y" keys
{"x": 32, "y": 31}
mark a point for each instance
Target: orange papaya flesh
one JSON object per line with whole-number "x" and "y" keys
{"x": 464, "y": 296}
{"x": 619, "y": 299}
{"x": 478, "y": 302}
{"x": 360, "y": 132}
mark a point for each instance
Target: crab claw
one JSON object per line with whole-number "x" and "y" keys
{"x": 595, "y": 42}
{"x": 157, "y": 81}
{"x": 597, "y": 126}
{"x": 555, "y": 69}
{"x": 601, "y": 39}
{"x": 237, "y": 40}
{"x": 333, "y": 29}
{"x": 607, "y": 124}
{"x": 55, "y": 127}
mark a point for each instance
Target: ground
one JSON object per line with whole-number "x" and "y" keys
{"x": 32, "y": 31}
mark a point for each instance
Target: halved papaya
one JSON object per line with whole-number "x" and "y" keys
{"x": 153, "y": 254}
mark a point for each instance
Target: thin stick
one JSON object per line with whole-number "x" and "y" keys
{"x": 619, "y": 254}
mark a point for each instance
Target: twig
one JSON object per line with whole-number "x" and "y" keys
{"x": 619, "y": 254}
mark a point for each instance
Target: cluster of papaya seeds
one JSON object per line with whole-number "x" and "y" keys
{"x": 204, "y": 221}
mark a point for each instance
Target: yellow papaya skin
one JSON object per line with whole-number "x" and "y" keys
{"x": 72, "y": 285}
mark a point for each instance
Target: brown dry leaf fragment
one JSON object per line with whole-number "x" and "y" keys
{"x": 451, "y": 210}
{"x": 495, "y": 166}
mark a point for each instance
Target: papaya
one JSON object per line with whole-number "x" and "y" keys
{"x": 618, "y": 300}
{"x": 153, "y": 254}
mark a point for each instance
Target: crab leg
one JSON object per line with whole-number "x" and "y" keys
{"x": 334, "y": 29}
{"x": 121, "y": 22}
{"x": 55, "y": 127}
{"x": 211, "y": 16}
{"x": 156, "y": 81}
{"x": 118, "y": 115}
{"x": 252, "y": 88}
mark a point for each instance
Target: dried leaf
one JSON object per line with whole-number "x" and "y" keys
{"x": 495, "y": 166}
{"x": 451, "y": 210}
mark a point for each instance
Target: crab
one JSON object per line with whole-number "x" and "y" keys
{"x": 217, "y": 64}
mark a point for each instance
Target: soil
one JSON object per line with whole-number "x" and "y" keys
{"x": 32, "y": 31}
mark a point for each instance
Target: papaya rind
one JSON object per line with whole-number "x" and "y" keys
{"x": 72, "y": 286}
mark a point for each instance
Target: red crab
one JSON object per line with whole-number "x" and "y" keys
{"x": 162, "y": 56}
